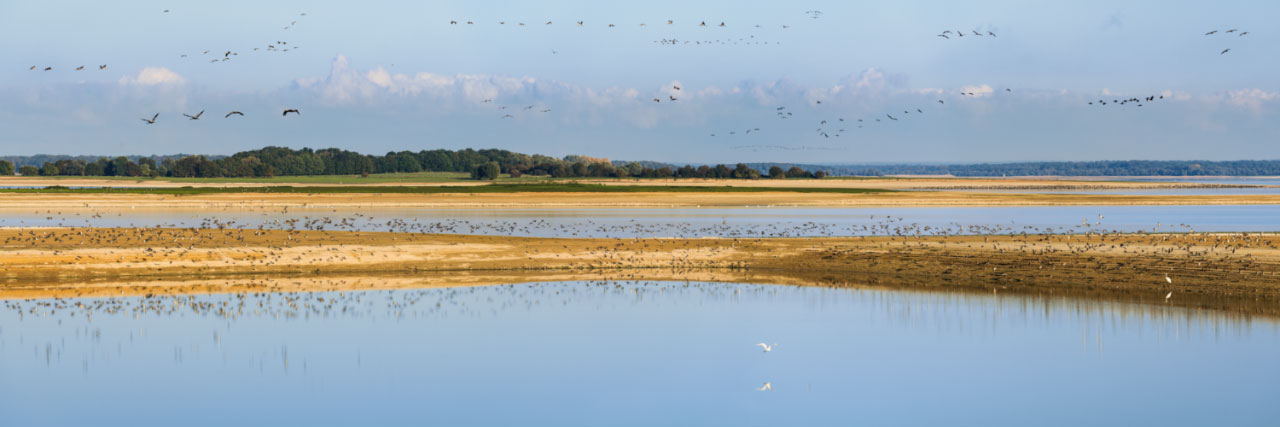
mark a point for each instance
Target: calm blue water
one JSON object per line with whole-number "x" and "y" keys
{"x": 1249, "y": 191}
{"x": 608, "y": 353}
{"x": 690, "y": 222}
{"x": 1230, "y": 180}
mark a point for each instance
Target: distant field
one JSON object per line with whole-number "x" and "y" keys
{"x": 310, "y": 179}
{"x": 490, "y": 188}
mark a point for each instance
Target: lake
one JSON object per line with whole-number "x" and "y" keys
{"x": 632, "y": 353}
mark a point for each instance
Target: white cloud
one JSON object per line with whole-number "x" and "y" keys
{"x": 1252, "y": 99}
{"x": 980, "y": 91}
{"x": 153, "y": 76}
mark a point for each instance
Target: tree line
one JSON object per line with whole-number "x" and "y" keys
{"x": 481, "y": 164}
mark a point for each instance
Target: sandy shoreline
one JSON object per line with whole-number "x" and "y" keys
{"x": 1221, "y": 270}
{"x": 884, "y": 183}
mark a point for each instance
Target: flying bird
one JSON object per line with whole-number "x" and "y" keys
{"x": 79, "y": 68}
{"x": 1210, "y": 33}
{"x": 1224, "y": 51}
{"x": 767, "y": 348}
{"x": 291, "y": 110}
{"x": 195, "y": 117}
{"x": 153, "y": 119}
{"x": 233, "y": 112}
{"x": 102, "y": 67}
{"x": 766, "y": 387}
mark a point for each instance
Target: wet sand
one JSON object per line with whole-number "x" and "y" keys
{"x": 1221, "y": 271}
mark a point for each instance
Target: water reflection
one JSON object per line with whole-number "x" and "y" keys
{"x": 620, "y": 352}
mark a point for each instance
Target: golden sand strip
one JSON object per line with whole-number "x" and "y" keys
{"x": 1219, "y": 270}
{"x": 29, "y": 201}
{"x": 886, "y": 183}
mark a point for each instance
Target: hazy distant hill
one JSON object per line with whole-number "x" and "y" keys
{"x": 1093, "y": 168}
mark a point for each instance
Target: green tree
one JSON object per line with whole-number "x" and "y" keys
{"x": 776, "y": 172}
{"x": 6, "y": 168}
{"x": 721, "y": 171}
{"x": 489, "y": 171}
{"x": 93, "y": 169}
{"x": 579, "y": 169}
{"x": 28, "y": 170}
{"x": 49, "y": 169}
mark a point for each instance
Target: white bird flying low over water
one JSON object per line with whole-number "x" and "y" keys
{"x": 767, "y": 348}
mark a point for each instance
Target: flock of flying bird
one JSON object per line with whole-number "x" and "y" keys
{"x": 836, "y": 126}
{"x": 960, "y": 33}
{"x": 196, "y": 116}
{"x": 1231, "y": 31}
{"x": 583, "y": 24}
{"x": 827, "y": 128}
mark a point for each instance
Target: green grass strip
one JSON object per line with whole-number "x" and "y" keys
{"x": 447, "y": 189}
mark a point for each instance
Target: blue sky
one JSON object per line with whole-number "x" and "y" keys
{"x": 382, "y": 76}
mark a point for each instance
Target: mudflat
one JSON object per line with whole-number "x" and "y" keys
{"x": 885, "y": 183}
{"x": 1235, "y": 271}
